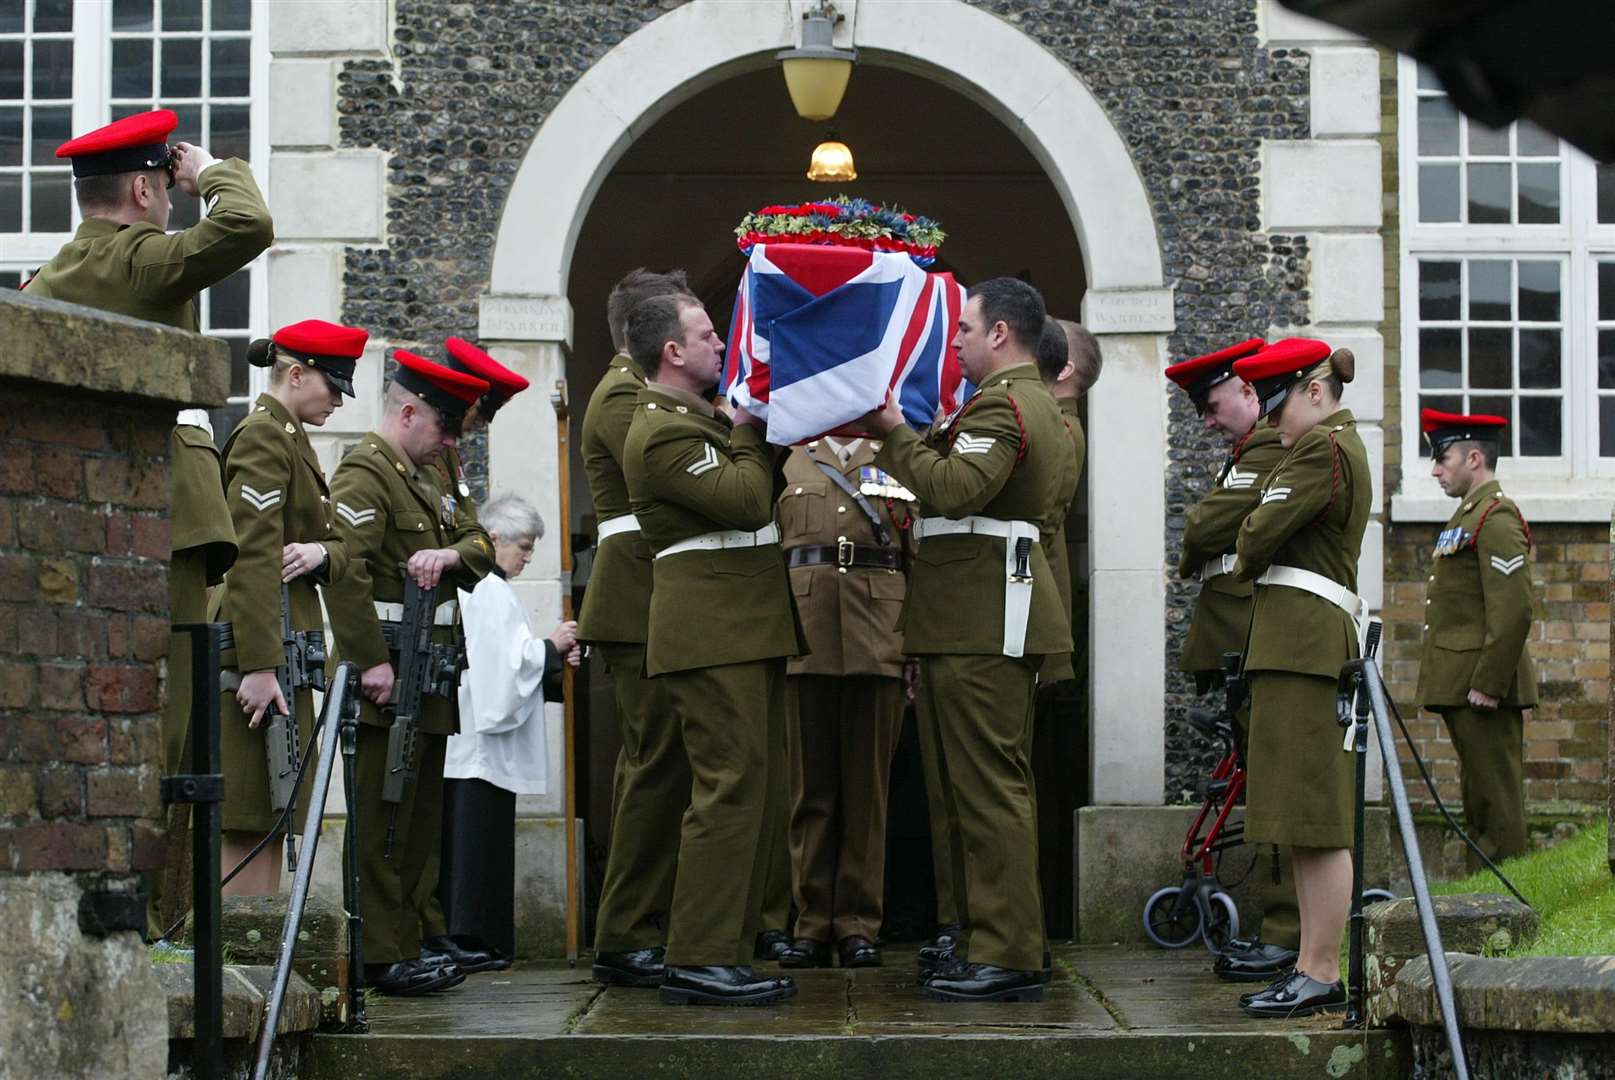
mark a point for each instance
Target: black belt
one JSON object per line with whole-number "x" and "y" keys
{"x": 846, "y": 554}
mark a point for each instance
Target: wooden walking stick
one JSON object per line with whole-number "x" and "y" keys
{"x": 563, "y": 467}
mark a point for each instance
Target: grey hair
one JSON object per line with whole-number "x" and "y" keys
{"x": 512, "y": 519}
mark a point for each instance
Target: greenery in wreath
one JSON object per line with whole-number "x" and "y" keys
{"x": 842, "y": 221}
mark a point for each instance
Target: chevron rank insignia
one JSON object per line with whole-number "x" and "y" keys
{"x": 259, "y": 500}
{"x": 1273, "y": 495}
{"x": 1237, "y": 479}
{"x": 358, "y": 518}
{"x": 705, "y": 463}
{"x": 1507, "y": 566}
{"x": 973, "y": 444}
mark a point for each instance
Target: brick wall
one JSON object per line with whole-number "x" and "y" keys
{"x": 83, "y": 622}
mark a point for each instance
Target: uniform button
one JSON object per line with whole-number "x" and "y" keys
{"x": 798, "y": 491}
{"x": 1427, "y": 603}
{"x": 1432, "y": 578}
{"x": 841, "y": 509}
{"x": 1427, "y": 626}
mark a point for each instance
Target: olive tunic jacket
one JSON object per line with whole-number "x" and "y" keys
{"x": 1479, "y": 607}
{"x": 955, "y": 599}
{"x": 1057, "y": 668}
{"x": 200, "y": 519}
{"x": 691, "y": 471}
{"x": 1222, "y": 614}
{"x": 616, "y": 605}
{"x": 1314, "y": 510}
{"x": 142, "y": 271}
{"x": 850, "y": 618}
{"x": 386, "y": 511}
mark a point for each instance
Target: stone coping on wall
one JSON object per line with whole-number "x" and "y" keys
{"x": 1564, "y": 995}
{"x": 61, "y": 344}
{"x": 246, "y": 997}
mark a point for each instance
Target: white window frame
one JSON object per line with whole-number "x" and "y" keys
{"x": 1580, "y": 486}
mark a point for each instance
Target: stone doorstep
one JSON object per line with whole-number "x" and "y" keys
{"x": 246, "y": 996}
{"x": 250, "y": 928}
{"x": 1471, "y": 923}
{"x": 1563, "y": 995}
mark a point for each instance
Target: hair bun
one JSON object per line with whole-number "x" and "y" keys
{"x": 1344, "y": 361}
{"x": 260, "y": 352}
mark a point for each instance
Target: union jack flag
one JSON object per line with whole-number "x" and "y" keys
{"x": 821, "y": 333}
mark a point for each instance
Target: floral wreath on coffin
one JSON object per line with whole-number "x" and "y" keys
{"x": 842, "y": 221}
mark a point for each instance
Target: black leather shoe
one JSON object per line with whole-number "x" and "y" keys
{"x": 1277, "y": 980}
{"x": 1299, "y": 995}
{"x": 1046, "y": 976}
{"x": 723, "y": 986}
{"x": 984, "y": 982}
{"x": 641, "y": 967}
{"x": 771, "y": 945}
{"x": 468, "y": 959}
{"x": 858, "y": 951}
{"x": 412, "y": 978}
{"x": 937, "y": 951}
{"x": 805, "y": 953}
{"x": 1253, "y": 961}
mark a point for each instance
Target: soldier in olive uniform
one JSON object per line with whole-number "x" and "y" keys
{"x": 651, "y": 786}
{"x": 1300, "y": 545}
{"x": 1475, "y": 670}
{"x": 843, "y": 522}
{"x": 721, "y": 624}
{"x": 982, "y": 613}
{"x": 287, "y": 529}
{"x": 1222, "y": 613}
{"x": 395, "y": 519}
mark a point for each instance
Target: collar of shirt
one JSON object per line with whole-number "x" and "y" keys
{"x": 844, "y": 451}
{"x": 696, "y": 402}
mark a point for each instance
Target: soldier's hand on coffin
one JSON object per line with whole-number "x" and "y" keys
{"x": 257, "y": 693}
{"x": 299, "y": 559}
{"x": 427, "y": 567}
{"x": 1482, "y": 701}
{"x": 376, "y": 683}
{"x": 886, "y": 419}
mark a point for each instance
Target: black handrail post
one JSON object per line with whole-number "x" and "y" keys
{"x": 358, "y": 1021}
{"x": 1356, "y": 1014}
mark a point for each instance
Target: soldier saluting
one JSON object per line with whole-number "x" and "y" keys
{"x": 395, "y": 520}
{"x": 992, "y": 478}
{"x": 1475, "y": 670}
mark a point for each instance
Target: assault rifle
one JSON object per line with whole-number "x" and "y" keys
{"x": 302, "y": 665}
{"x": 423, "y": 668}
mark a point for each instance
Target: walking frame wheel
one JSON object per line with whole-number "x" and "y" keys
{"x": 1172, "y": 919}
{"x": 1221, "y": 922}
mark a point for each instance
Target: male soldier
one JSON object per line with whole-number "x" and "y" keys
{"x": 843, "y": 534}
{"x": 982, "y": 613}
{"x": 122, "y": 259}
{"x": 391, "y": 512}
{"x": 721, "y": 624}
{"x": 1227, "y": 405}
{"x": 651, "y": 787}
{"x": 1475, "y": 670}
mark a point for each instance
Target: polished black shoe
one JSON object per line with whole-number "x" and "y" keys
{"x": 412, "y": 978}
{"x": 1046, "y": 975}
{"x": 463, "y": 955}
{"x": 771, "y": 945}
{"x": 858, "y": 951}
{"x": 1253, "y": 961}
{"x": 1299, "y": 995}
{"x": 1277, "y": 980}
{"x": 805, "y": 953}
{"x": 641, "y": 967}
{"x": 984, "y": 982}
{"x": 937, "y": 951}
{"x": 724, "y": 986}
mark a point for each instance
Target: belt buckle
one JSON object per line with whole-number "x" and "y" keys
{"x": 844, "y": 550}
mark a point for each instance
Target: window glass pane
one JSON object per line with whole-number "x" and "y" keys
{"x": 1541, "y": 424}
{"x": 10, "y": 279}
{"x": 1496, "y": 406}
{"x": 228, "y": 303}
{"x": 131, "y": 15}
{"x": 224, "y": 421}
{"x": 1491, "y": 358}
{"x": 1490, "y": 198}
{"x": 10, "y": 136}
{"x": 1438, "y": 193}
{"x": 52, "y": 127}
{"x": 131, "y": 69}
{"x": 1606, "y": 290}
{"x": 10, "y": 69}
{"x": 187, "y": 210}
{"x": 1539, "y": 194}
{"x": 231, "y": 74}
{"x": 1540, "y": 367}
{"x": 1490, "y": 290}
{"x": 1426, "y": 78}
{"x": 1539, "y": 291}
{"x": 190, "y": 125}
{"x": 1606, "y": 427}
{"x": 1440, "y": 359}
{"x": 232, "y": 14}
{"x": 1606, "y": 194}
{"x": 1438, "y": 127}
{"x": 182, "y": 14}
{"x": 10, "y": 16}
{"x": 239, "y": 368}
{"x": 48, "y": 202}
{"x": 53, "y": 70}
{"x": 230, "y": 132}
{"x": 1606, "y": 359}
{"x": 10, "y": 202}
{"x": 1487, "y": 142}
{"x": 1438, "y": 290}
{"x": 182, "y": 68}
{"x": 53, "y": 16}
{"x": 1534, "y": 142}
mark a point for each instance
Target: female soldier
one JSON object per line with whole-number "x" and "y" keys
{"x": 1300, "y": 545}
{"x": 283, "y": 519}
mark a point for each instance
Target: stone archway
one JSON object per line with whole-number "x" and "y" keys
{"x": 526, "y": 320}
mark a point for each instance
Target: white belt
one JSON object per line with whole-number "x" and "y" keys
{"x": 1318, "y": 585}
{"x": 981, "y": 526}
{"x": 444, "y": 616}
{"x": 1222, "y": 564}
{"x": 612, "y": 526}
{"x": 719, "y": 541}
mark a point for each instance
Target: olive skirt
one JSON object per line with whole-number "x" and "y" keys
{"x": 244, "y": 755}
{"x": 1300, "y": 782}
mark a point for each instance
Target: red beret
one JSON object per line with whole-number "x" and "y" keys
{"x": 450, "y": 392}
{"x": 316, "y": 337}
{"x": 1197, "y": 377}
{"x": 132, "y": 143}
{"x": 1274, "y": 370}
{"x": 1442, "y": 428}
{"x": 466, "y": 357}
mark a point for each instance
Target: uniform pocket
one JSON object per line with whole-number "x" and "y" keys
{"x": 801, "y": 582}
{"x": 1459, "y": 638}
{"x": 802, "y": 508}
{"x": 942, "y": 550}
{"x": 411, "y": 521}
{"x": 884, "y": 586}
